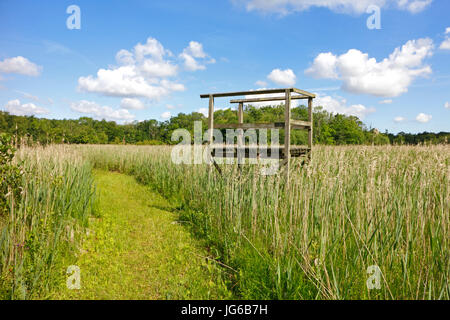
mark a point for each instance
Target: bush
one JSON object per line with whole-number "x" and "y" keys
{"x": 11, "y": 175}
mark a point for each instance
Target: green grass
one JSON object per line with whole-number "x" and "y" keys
{"x": 138, "y": 250}
{"x": 351, "y": 208}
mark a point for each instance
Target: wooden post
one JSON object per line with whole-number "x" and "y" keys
{"x": 240, "y": 153}
{"x": 310, "y": 129}
{"x": 287, "y": 131}
{"x": 211, "y": 118}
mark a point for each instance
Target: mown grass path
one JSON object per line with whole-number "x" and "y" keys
{"x": 138, "y": 250}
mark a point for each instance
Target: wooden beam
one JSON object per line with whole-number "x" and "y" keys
{"x": 306, "y": 93}
{"x": 287, "y": 131}
{"x": 244, "y": 93}
{"x": 241, "y": 113}
{"x": 249, "y": 125}
{"x": 240, "y": 155}
{"x": 299, "y": 124}
{"x": 211, "y": 118}
{"x": 267, "y": 99}
{"x": 310, "y": 118}
{"x": 232, "y": 151}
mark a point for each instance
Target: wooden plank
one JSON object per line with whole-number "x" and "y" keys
{"x": 245, "y": 93}
{"x": 299, "y": 124}
{"x": 306, "y": 93}
{"x": 266, "y": 152}
{"x": 267, "y": 99}
{"x": 249, "y": 125}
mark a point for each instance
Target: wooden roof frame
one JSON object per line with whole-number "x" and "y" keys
{"x": 289, "y": 94}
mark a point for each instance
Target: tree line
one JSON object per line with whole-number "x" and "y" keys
{"x": 329, "y": 129}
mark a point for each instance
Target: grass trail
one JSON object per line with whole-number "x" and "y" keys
{"x": 138, "y": 250}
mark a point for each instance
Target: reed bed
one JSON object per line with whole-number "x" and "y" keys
{"x": 41, "y": 234}
{"x": 353, "y": 207}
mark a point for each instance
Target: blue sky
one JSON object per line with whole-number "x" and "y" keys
{"x": 395, "y": 78}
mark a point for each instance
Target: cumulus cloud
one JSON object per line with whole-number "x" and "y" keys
{"x": 399, "y": 119}
{"x": 28, "y": 109}
{"x": 28, "y": 95}
{"x": 413, "y": 6}
{"x": 204, "y": 111}
{"x": 282, "y": 77}
{"x": 324, "y": 66}
{"x": 447, "y": 105}
{"x": 445, "y": 45}
{"x": 423, "y": 118}
{"x": 101, "y": 112}
{"x": 339, "y": 105}
{"x": 390, "y": 77}
{"x": 20, "y": 65}
{"x": 166, "y": 115}
{"x": 284, "y": 7}
{"x": 192, "y": 54}
{"x": 145, "y": 71}
{"x": 261, "y": 83}
{"x": 130, "y": 103}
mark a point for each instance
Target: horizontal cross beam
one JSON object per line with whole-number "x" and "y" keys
{"x": 256, "y": 92}
{"x": 267, "y": 99}
{"x": 296, "y": 124}
{"x": 231, "y": 151}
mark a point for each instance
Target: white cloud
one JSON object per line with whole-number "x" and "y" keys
{"x": 447, "y": 105}
{"x": 28, "y": 109}
{"x": 28, "y": 95}
{"x": 130, "y": 103}
{"x": 387, "y": 101}
{"x": 413, "y": 6}
{"x": 324, "y": 66}
{"x": 390, "y": 77}
{"x": 170, "y": 107}
{"x": 193, "y": 52}
{"x": 166, "y": 115}
{"x": 399, "y": 119}
{"x": 144, "y": 72}
{"x": 339, "y": 105}
{"x": 20, "y": 65}
{"x": 423, "y": 118}
{"x": 282, "y": 77}
{"x": 445, "y": 45}
{"x": 204, "y": 111}
{"x": 284, "y": 7}
{"x": 127, "y": 81}
{"x": 101, "y": 112}
{"x": 261, "y": 83}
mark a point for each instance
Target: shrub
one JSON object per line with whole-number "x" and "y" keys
{"x": 11, "y": 175}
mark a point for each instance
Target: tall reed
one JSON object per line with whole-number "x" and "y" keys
{"x": 351, "y": 208}
{"x": 48, "y": 223}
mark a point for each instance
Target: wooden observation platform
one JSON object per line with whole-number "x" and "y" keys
{"x": 285, "y": 151}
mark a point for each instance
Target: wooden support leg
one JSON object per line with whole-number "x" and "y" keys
{"x": 310, "y": 129}
{"x": 240, "y": 134}
{"x": 287, "y": 132}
